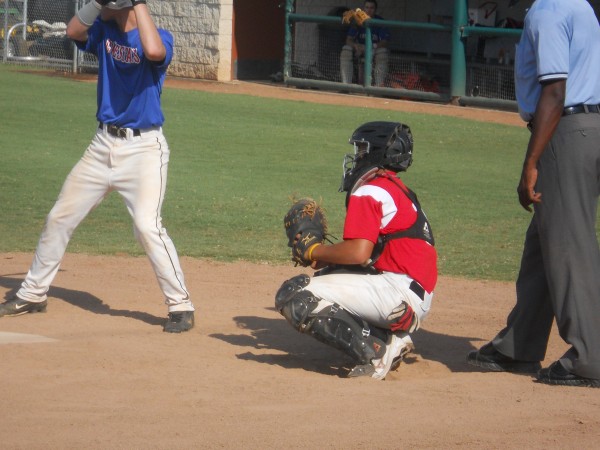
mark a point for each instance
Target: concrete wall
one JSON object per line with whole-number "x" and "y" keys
{"x": 202, "y": 30}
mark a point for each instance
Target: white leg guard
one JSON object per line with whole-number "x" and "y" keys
{"x": 346, "y": 64}
{"x": 382, "y": 56}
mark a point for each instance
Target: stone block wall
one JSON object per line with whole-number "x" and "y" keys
{"x": 202, "y": 31}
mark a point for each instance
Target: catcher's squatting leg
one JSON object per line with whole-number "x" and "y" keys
{"x": 331, "y": 325}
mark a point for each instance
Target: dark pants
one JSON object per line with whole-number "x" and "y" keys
{"x": 559, "y": 276}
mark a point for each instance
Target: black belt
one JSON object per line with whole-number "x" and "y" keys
{"x": 119, "y": 132}
{"x": 578, "y": 109}
{"x": 417, "y": 289}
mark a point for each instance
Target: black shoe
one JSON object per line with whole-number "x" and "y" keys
{"x": 179, "y": 321}
{"x": 558, "y": 375}
{"x": 15, "y": 307}
{"x": 489, "y": 358}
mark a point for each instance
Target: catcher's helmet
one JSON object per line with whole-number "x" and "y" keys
{"x": 377, "y": 145}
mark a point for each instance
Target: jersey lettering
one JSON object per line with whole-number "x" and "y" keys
{"x": 127, "y": 55}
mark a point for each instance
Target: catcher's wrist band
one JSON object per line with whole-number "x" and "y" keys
{"x": 310, "y": 251}
{"x": 137, "y": 2}
{"x": 88, "y": 13}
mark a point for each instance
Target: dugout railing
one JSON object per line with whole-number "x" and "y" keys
{"x": 465, "y": 74}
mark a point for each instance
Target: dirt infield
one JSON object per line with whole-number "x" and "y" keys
{"x": 97, "y": 372}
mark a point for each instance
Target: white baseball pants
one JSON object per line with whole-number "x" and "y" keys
{"x": 135, "y": 167}
{"x": 371, "y": 297}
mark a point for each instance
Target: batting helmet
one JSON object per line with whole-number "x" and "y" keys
{"x": 377, "y": 145}
{"x": 119, "y": 4}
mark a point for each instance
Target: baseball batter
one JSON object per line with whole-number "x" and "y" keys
{"x": 128, "y": 154}
{"x": 375, "y": 287}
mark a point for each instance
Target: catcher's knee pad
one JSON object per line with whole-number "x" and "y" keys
{"x": 298, "y": 308}
{"x": 403, "y": 318}
{"x": 382, "y": 56}
{"x": 294, "y": 302}
{"x": 289, "y": 288}
{"x": 347, "y": 64}
{"x": 340, "y": 329}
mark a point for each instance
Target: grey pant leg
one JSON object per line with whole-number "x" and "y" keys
{"x": 528, "y": 326}
{"x": 569, "y": 182}
{"x": 561, "y": 251}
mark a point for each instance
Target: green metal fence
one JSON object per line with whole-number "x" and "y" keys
{"x": 313, "y": 45}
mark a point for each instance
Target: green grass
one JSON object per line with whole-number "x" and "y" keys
{"x": 236, "y": 160}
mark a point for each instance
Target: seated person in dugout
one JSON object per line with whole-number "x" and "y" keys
{"x": 375, "y": 287}
{"x": 354, "y": 50}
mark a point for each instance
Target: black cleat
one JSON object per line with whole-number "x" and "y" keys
{"x": 16, "y": 306}
{"x": 179, "y": 321}
{"x": 556, "y": 374}
{"x": 487, "y": 357}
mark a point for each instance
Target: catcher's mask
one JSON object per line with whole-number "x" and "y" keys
{"x": 377, "y": 145}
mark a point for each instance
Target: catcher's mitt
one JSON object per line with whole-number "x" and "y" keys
{"x": 306, "y": 227}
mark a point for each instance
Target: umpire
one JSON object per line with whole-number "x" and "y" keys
{"x": 558, "y": 93}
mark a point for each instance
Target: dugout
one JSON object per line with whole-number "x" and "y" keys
{"x": 459, "y": 51}
{"x": 434, "y": 54}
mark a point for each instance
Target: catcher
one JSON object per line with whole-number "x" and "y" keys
{"x": 373, "y": 289}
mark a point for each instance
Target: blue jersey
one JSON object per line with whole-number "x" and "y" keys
{"x": 129, "y": 85}
{"x": 378, "y": 34}
{"x": 553, "y": 48}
